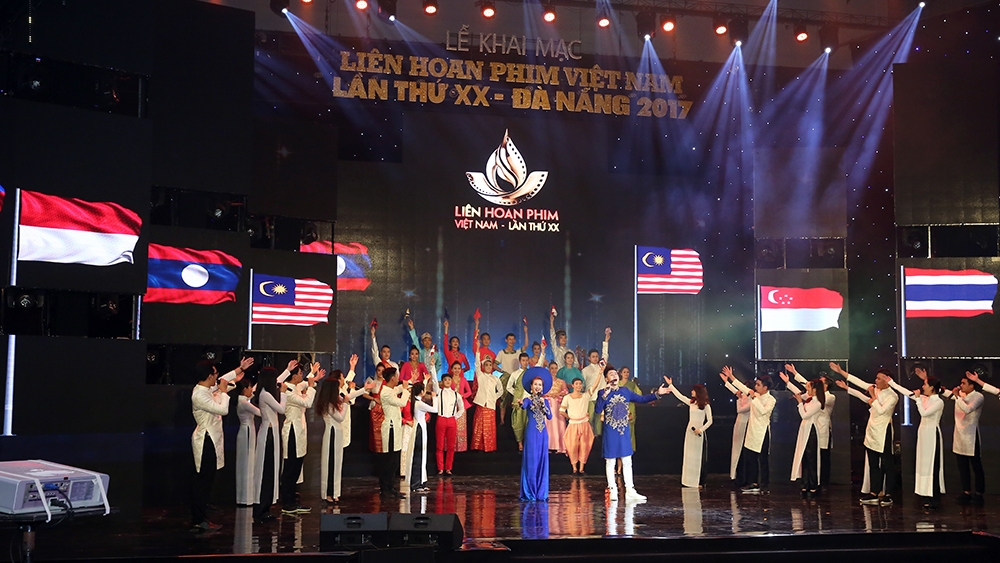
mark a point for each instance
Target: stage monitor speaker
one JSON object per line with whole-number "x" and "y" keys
{"x": 913, "y": 242}
{"x": 353, "y": 531}
{"x": 769, "y": 254}
{"x": 444, "y": 531}
{"x": 808, "y": 253}
{"x": 964, "y": 241}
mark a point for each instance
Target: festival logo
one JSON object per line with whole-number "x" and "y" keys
{"x": 506, "y": 184}
{"x": 506, "y": 164}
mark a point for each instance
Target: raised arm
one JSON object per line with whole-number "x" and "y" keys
{"x": 790, "y": 368}
{"x": 376, "y": 357}
{"x": 901, "y": 389}
{"x": 604, "y": 345}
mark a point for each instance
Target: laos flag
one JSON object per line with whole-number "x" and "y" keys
{"x": 183, "y": 275}
{"x": 353, "y": 265}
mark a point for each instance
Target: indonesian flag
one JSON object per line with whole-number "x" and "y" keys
{"x": 74, "y": 231}
{"x": 793, "y": 309}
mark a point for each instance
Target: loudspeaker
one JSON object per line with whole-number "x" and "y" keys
{"x": 913, "y": 242}
{"x": 964, "y": 241}
{"x": 808, "y": 253}
{"x": 769, "y": 253}
{"x": 444, "y": 531}
{"x": 353, "y": 530}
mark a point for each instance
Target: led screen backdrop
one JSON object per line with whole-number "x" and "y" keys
{"x": 802, "y": 314}
{"x": 948, "y": 307}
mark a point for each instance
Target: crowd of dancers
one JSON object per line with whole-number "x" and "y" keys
{"x": 551, "y": 406}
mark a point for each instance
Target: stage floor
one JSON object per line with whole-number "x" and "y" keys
{"x": 490, "y": 510}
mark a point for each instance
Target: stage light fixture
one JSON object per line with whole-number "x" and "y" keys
{"x": 668, "y": 23}
{"x": 801, "y": 32}
{"x": 307, "y": 1}
{"x": 829, "y": 37}
{"x": 739, "y": 30}
{"x": 549, "y": 13}
{"x": 922, "y": 4}
{"x": 603, "y": 18}
{"x": 430, "y": 7}
{"x": 488, "y": 8}
{"x": 645, "y": 24}
{"x": 828, "y": 50}
{"x": 361, "y": 4}
{"x": 387, "y": 10}
{"x": 720, "y": 25}
{"x": 279, "y": 7}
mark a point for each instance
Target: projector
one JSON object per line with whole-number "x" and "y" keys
{"x": 30, "y": 487}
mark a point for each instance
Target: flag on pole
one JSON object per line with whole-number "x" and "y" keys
{"x": 948, "y": 293}
{"x": 665, "y": 270}
{"x": 279, "y": 300}
{"x": 183, "y": 275}
{"x": 784, "y": 309}
{"x": 74, "y": 231}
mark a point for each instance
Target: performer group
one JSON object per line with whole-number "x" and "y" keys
{"x": 553, "y": 406}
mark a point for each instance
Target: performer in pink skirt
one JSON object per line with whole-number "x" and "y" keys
{"x": 556, "y": 425}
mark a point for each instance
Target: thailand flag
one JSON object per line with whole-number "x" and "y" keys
{"x": 665, "y": 270}
{"x": 278, "y": 300}
{"x": 74, "y": 231}
{"x": 183, "y": 275}
{"x": 784, "y": 309}
{"x": 353, "y": 265}
{"x": 948, "y": 293}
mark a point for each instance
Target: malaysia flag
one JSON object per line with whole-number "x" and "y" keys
{"x": 948, "y": 293}
{"x": 665, "y": 270}
{"x": 353, "y": 265}
{"x": 279, "y": 300}
{"x": 183, "y": 275}
{"x": 74, "y": 231}
{"x": 784, "y": 309}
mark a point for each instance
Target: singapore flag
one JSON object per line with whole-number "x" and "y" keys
{"x": 794, "y": 308}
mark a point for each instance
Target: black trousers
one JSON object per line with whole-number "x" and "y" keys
{"x": 882, "y": 465}
{"x": 290, "y": 473}
{"x": 388, "y": 468}
{"x": 810, "y": 473}
{"x": 758, "y": 467}
{"x": 976, "y": 463}
{"x": 332, "y": 462}
{"x": 416, "y": 469}
{"x": 201, "y": 486}
{"x": 741, "y": 470}
{"x": 266, "y": 477}
{"x": 704, "y": 458}
{"x": 824, "y": 465}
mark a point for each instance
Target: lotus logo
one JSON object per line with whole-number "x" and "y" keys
{"x": 507, "y": 164}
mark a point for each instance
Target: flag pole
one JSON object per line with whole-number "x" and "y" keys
{"x": 760, "y": 320}
{"x": 902, "y": 300}
{"x": 635, "y": 310}
{"x": 8, "y": 396}
{"x": 250, "y": 315}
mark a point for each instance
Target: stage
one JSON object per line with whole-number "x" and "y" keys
{"x": 500, "y": 527}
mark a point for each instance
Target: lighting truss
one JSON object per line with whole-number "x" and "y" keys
{"x": 710, "y": 9}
